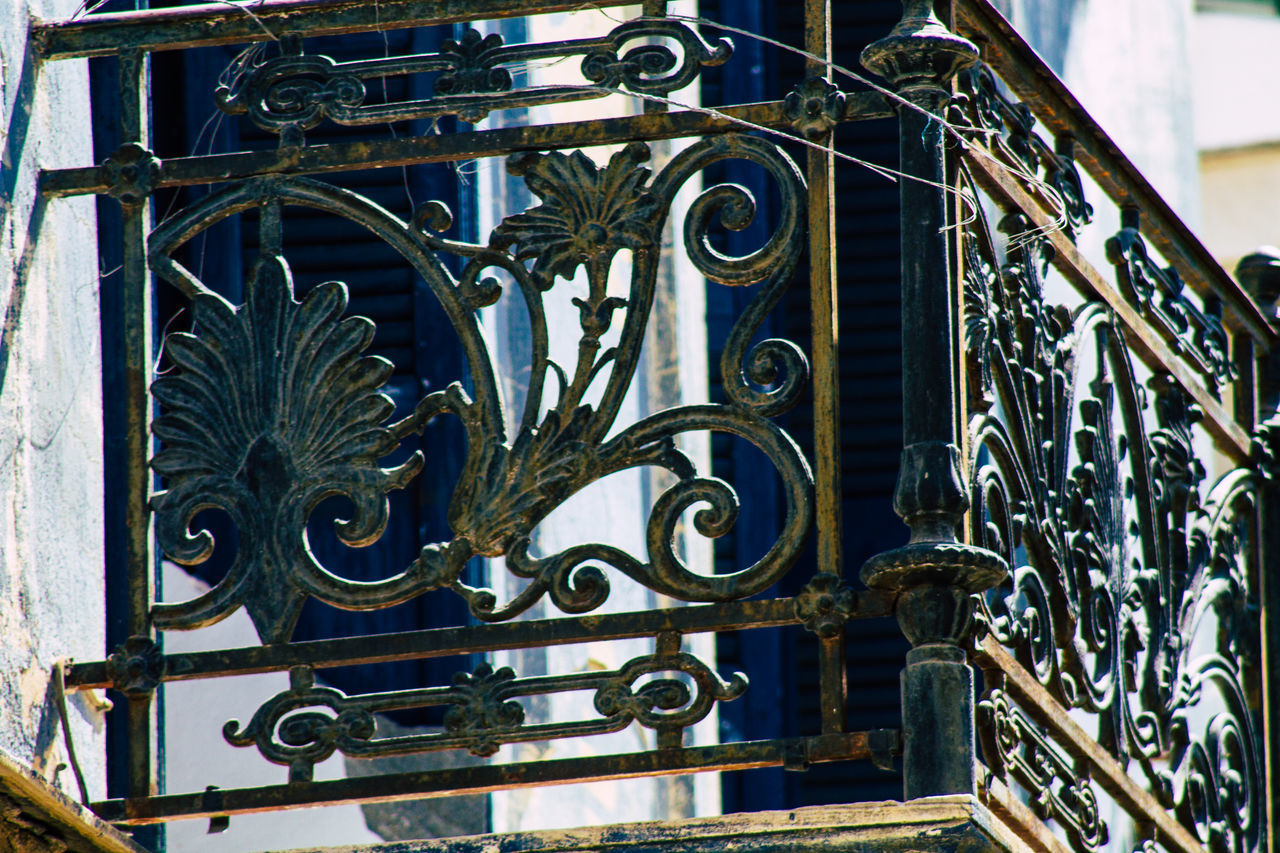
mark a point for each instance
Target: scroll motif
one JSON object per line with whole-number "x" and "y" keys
{"x": 272, "y": 407}
{"x": 307, "y": 724}
{"x": 1158, "y": 293}
{"x": 1017, "y": 749}
{"x": 293, "y": 92}
{"x": 983, "y": 106}
{"x": 1131, "y": 594}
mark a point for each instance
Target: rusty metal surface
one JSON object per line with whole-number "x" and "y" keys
{"x": 816, "y": 103}
{"x": 935, "y": 573}
{"x": 482, "y": 779}
{"x": 293, "y": 92}
{"x": 1148, "y": 343}
{"x": 1134, "y": 590}
{"x": 286, "y": 381}
{"x": 185, "y": 27}
{"x": 1069, "y": 736}
{"x": 482, "y": 714}
{"x": 509, "y": 483}
{"x": 320, "y": 159}
{"x": 144, "y": 660}
{"x": 273, "y": 405}
{"x": 132, "y": 191}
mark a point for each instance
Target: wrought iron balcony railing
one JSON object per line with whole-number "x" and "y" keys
{"x": 1062, "y": 415}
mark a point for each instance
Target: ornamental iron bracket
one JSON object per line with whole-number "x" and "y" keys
{"x": 136, "y": 667}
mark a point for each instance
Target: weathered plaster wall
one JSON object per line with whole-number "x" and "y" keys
{"x": 51, "y": 556}
{"x": 1127, "y": 62}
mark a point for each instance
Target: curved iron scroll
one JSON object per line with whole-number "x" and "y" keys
{"x": 272, "y": 407}
{"x": 306, "y": 724}
{"x": 294, "y": 92}
{"x": 1008, "y": 129}
{"x": 1132, "y": 593}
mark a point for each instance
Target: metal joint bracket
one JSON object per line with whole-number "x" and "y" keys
{"x": 815, "y": 107}
{"x": 219, "y": 822}
{"x": 137, "y": 666}
{"x": 884, "y": 745}
{"x": 796, "y": 757}
{"x": 131, "y": 173}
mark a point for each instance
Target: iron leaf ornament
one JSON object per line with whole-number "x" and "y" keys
{"x": 271, "y": 409}
{"x": 272, "y": 406}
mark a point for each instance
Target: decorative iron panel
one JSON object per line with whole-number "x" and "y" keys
{"x": 268, "y": 408}
{"x": 1133, "y": 597}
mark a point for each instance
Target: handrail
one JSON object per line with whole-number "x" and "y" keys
{"x": 1105, "y": 770}
{"x": 231, "y": 23}
{"x": 1032, "y": 81}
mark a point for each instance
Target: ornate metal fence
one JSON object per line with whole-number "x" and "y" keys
{"x": 1118, "y": 460}
{"x": 1066, "y": 536}
{"x": 272, "y": 406}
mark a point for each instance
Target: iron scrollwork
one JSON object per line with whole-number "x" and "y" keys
{"x": 1018, "y": 749}
{"x": 307, "y": 723}
{"x": 1131, "y": 595}
{"x": 272, "y": 407}
{"x": 293, "y": 92}
{"x": 1010, "y": 132}
{"x": 1157, "y": 292}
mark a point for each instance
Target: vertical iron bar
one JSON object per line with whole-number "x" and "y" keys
{"x": 1244, "y": 390}
{"x": 1268, "y": 554}
{"x": 934, "y": 575}
{"x": 136, "y": 314}
{"x": 826, "y": 362}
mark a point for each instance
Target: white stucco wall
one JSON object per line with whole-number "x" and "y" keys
{"x": 1126, "y": 61}
{"x": 51, "y": 491}
{"x": 1235, "y": 63}
{"x": 197, "y": 755}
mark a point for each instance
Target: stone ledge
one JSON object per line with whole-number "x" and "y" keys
{"x": 36, "y": 818}
{"x": 955, "y": 824}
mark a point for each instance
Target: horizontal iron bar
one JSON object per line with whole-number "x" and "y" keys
{"x": 233, "y": 23}
{"x": 1032, "y": 81}
{"x": 443, "y": 642}
{"x": 486, "y": 778}
{"x": 405, "y": 151}
{"x": 1040, "y": 705}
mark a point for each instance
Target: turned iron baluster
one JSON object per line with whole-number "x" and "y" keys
{"x": 934, "y": 575}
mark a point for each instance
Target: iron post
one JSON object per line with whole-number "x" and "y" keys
{"x": 934, "y": 575}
